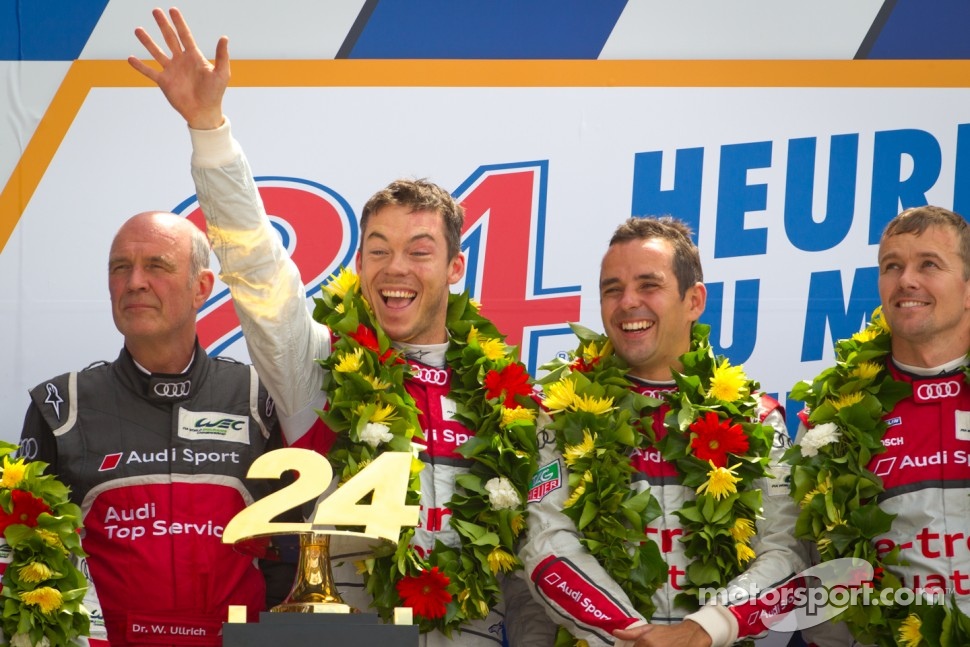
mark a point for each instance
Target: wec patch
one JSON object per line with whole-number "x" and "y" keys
{"x": 547, "y": 479}
{"x": 213, "y": 425}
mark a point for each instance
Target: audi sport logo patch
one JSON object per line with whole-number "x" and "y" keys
{"x": 110, "y": 462}
{"x": 547, "y": 479}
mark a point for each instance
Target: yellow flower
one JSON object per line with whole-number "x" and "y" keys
{"x": 573, "y": 453}
{"x": 344, "y": 282}
{"x": 35, "y": 572}
{"x": 384, "y": 413}
{"x": 592, "y": 404}
{"x": 728, "y": 382}
{"x": 720, "y": 481}
{"x": 339, "y": 308}
{"x": 823, "y": 543}
{"x": 50, "y": 538}
{"x": 865, "y": 371}
{"x": 864, "y": 335}
{"x": 511, "y": 416}
{"x": 744, "y": 553}
{"x": 476, "y": 306}
{"x": 847, "y": 400}
{"x": 910, "y": 634}
{"x": 879, "y": 321}
{"x": 376, "y": 382}
{"x": 492, "y": 349}
{"x": 821, "y": 488}
{"x": 517, "y": 524}
{"x": 560, "y": 395}
{"x": 13, "y": 473}
{"x": 578, "y": 492}
{"x": 501, "y": 560}
{"x": 742, "y": 530}
{"x": 45, "y": 597}
{"x": 350, "y": 362}
{"x": 591, "y": 352}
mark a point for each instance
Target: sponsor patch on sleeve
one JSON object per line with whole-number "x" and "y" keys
{"x": 547, "y": 478}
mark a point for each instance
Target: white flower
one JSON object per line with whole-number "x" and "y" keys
{"x": 819, "y": 436}
{"x": 501, "y": 494}
{"x": 376, "y": 433}
{"x": 23, "y": 640}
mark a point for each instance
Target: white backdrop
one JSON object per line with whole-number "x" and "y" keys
{"x": 127, "y": 151}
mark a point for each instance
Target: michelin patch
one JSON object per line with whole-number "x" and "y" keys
{"x": 547, "y": 478}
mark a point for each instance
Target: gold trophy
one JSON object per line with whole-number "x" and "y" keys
{"x": 385, "y": 479}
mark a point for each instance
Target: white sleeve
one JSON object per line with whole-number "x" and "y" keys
{"x": 268, "y": 293}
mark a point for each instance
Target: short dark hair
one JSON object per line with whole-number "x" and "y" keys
{"x": 687, "y": 258}
{"x": 420, "y": 195}
{"x": 918, "y": 219}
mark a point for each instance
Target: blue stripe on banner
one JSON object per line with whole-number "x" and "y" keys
{"x": 494, "y": 29}
{"x": 925, "y": 29}
{"x": 46, "y": 30}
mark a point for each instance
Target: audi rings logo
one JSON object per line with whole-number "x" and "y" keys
{"x": 173, "y": 389}
{"x": 938, "y": 390}
{"x": 28, "y": 449}
{"x": 430, "y": 375}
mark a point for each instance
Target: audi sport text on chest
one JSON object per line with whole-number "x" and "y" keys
{"x": 186, "y": 455}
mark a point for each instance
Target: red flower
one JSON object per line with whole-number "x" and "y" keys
{"x": 512, "y": 381}
{"x": 367, "y": 338}
{"x": 580, "y": 364}
{"x": 426, "y": 593}
{"x": 26, "y": 509}
{"x": 714, "y": 439}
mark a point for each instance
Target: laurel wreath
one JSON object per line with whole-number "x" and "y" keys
{"x": 838, "y": 494}
{"x": 602, "y": 420}
{"x": 502, "y": 448}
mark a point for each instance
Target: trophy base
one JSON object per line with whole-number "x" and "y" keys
{"x": 313, "y": 607}
{"x": 307, "y": 630}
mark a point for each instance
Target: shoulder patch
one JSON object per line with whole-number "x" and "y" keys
{"x": 547, "y": 478}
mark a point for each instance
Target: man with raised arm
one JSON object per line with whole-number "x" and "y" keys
{"x": 408, "y": 259}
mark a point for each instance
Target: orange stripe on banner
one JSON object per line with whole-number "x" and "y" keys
{"x": 85, "y": 75}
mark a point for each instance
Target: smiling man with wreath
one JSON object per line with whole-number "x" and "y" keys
{"x": 404, "y": 364}
{"x": 880, "y": 470}
{"x": 659, "y": 476}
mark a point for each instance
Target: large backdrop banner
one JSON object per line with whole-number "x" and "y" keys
{"x": 787, "y": 171}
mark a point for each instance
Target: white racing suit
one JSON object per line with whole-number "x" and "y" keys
{"x": 284, "y": 343}
{"x": 580, "y": 595}
{"x": 926, "y": 474}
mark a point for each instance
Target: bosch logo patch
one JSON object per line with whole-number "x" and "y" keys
{"x": 937, "y": 390}
{"x": 173, "y": 389}
{"x": 429, "y": 375}
{"x": 110, "y": 462}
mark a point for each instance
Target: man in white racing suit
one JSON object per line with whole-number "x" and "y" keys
{"x": 651, "y": 293}
{"x": 409, "y": 256}
{"x": 924, "y": 290}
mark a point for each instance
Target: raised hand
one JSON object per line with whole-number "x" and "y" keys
{"x": 192, "y": 84}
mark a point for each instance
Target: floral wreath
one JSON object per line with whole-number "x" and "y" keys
{"x": 838, "y": 494}
{"x": 713, "y": 438}
{"x": 371, "y": 412}
{"x": 42, "y": 589}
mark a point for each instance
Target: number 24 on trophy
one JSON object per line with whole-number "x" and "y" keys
{"x": 385, "y": 479}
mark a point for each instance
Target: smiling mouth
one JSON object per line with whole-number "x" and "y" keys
{"x": 910, "y": 303}
{"x": 398, "y": 298}
{"x": 634, "y": 326}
